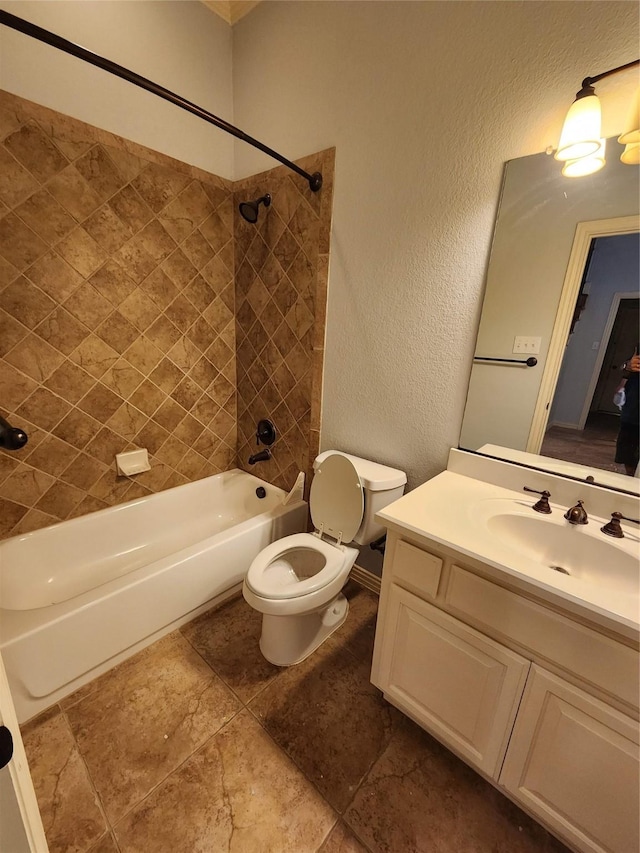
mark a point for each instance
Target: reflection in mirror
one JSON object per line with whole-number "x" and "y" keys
{"x": 584, "y": 418}
{"x": 562, "y": 285}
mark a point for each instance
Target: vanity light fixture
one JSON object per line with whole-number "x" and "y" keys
{"x": 580, "y": 166}
{"x": 631, "y": 136}
{"x": 582, "y": 147}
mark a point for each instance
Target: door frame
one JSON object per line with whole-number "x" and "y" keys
{"x": 19, "y": 771}
{"x": 604, "y": 343}
{"x": 585, "y": 233}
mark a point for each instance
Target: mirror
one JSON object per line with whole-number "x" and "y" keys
{"x": 549, "y": 286}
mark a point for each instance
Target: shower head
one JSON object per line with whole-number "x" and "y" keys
{"x": 249, "y": 209}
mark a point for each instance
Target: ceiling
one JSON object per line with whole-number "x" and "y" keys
{"x": 231, "y": 10}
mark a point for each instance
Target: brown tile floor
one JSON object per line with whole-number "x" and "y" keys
{"x": 198, "y": 745}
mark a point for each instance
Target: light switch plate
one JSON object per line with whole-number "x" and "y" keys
{"x": 521, "y": 343}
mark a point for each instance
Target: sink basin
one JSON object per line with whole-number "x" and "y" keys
{"x": 571, "y": 549}
{"x": 597, "y": 575}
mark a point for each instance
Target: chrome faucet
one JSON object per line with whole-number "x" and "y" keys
{"x": 577, "y": 514}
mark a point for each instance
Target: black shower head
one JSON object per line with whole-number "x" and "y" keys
{"x": 249, "y": 209}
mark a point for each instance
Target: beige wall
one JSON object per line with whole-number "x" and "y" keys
{"x": 180, "y": 45}
{"x": 424, "y": 103}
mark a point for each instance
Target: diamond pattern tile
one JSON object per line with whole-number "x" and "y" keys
{"x": 122, "y": 322}
{"x": 279, "y": 282}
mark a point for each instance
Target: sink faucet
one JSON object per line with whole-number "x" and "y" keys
{"x": 543, "y": 504}
{"x": 577, "y": 514}
{"x": 613, "y": 528}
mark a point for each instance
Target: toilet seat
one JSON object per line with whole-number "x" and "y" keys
{"x": 272, "y": 575}
{"x": 336, "y": 499}
{"x": 292, "y": 568}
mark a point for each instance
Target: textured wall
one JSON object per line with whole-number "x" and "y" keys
{"x": 281, "y": 295}
{"x": 117, "y": 321}
{"x": 424, "y": 101}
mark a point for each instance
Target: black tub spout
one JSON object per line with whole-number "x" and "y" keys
{"x": 261, "y": 456}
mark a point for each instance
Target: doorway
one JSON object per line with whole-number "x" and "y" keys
{"x": 583, "y": 420}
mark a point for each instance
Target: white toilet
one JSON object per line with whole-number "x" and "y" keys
{"x": 296, "y": 581}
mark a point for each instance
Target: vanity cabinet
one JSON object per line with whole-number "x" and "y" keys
{"x": 574, "y": 761}
{"x": 464, "y": 687}
{"x": 541, "y": 703}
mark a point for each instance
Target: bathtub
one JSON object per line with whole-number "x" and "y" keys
{"x": 80, "y": 596}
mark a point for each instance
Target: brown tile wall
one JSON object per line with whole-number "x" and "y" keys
{"x": 281, "y": 267}
{"x": 121, "y": 325}
{"x": 116, "y": 317}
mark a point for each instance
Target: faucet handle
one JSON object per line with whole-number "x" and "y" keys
{"x": 11, "y": 438}
{"x": 543, "y": 504}
{"x": 613, "y": 528}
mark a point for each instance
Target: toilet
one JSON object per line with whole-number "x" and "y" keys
{"x": 296, "y": 582}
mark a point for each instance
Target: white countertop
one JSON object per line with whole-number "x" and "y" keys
{"x": 453, "y": 510}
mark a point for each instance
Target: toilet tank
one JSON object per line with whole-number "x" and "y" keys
{"x": 381, "y": 486}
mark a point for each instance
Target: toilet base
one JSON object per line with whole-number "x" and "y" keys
{"x": 287, "y": 640}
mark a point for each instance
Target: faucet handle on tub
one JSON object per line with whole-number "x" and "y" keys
{"x": 11, "y": 438}
{"x": 543, "y": 504}
{"x": 265, "y": 432}
{"x": 613, "y": 528}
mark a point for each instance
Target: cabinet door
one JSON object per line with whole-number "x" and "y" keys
{"x": 573, "y": 761}
{"x": 461, "y": 686}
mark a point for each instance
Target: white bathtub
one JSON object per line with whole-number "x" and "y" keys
{"x": 80, "y": 596}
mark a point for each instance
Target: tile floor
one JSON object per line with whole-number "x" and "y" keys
{"x": 198, "y": 745}
{"x": 594, "y": 445}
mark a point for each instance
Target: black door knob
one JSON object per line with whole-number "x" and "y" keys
{"x": 6, "y": 746}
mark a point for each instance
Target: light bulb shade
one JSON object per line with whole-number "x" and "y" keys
{"x": 581, "y": 131}
{"x": 631, "y": 154}
{"x": 586, "y": 165}
{"x": 631, "y": 133}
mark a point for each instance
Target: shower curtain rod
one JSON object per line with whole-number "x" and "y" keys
{"x": 29, "y": 29}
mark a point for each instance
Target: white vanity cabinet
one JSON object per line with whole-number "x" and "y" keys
{"x": 539, "y": 701}
{"x": 573, "y": 761}
{"x": 463, "y": 687}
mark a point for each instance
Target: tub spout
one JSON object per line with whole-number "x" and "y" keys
{"x": 262, "y": 456}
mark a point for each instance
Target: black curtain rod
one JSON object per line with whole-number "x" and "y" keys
{"x": 29, "y": 29}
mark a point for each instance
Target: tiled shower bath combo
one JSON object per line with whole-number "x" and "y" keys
{"x": 138, "y": 309}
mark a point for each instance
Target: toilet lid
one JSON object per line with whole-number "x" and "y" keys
{"x": 336, "y": 500}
